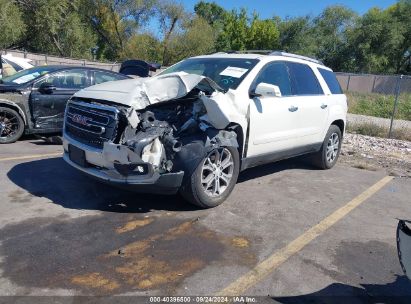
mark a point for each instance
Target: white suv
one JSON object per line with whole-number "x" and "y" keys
{"x": 196, "y": 125}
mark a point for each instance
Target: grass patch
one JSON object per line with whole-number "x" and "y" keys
{"x": 375, "y": 130}
{"x": 379, "y": 105}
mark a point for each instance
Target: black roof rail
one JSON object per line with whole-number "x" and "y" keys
{"x": 258, "y": 52}
{"x": 285, "y": 54}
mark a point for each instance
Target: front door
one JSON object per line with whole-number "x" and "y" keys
{"x": 47, "y": 106}
{"x": 274, "y": 121}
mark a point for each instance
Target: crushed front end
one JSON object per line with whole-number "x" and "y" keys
{"x": 146, "y": 148}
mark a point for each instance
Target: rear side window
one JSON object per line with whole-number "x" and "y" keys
{"x": 303, "y": 80}
{"x": 331, "y": 81}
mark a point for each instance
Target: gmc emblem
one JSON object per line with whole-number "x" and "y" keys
{"x": 80, "y": 119}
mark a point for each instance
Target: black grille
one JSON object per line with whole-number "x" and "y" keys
{"x": 91, "y": 124}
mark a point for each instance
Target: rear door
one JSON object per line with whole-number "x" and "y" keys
{"x": 48, "y": 108}
{"x": 311, "y": 101}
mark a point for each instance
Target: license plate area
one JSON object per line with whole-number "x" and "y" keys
{"x": 77, "y": 156}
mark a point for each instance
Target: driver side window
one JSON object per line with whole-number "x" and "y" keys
{"x": 276, "y": 73}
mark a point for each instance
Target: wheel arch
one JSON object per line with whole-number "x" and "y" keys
{"x": 340, "y": 124}
{"x": 14, "y": 106}
{"x": 240, "y": 136}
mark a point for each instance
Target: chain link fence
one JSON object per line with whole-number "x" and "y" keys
{"x": 44, "y": 59}
{"x": 378, "y": 104}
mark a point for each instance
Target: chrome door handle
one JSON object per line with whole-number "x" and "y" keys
{"x": 292, "y": 109}
{"x": 323, "y": 106}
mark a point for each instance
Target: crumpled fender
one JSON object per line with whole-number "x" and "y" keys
{"x": 196, "y": 147}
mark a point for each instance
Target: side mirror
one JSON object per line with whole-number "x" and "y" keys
{"x": 266, "y": 90}
{"x": 46, "y": 88}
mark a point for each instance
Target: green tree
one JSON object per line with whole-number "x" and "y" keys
{"x": 263, "y": 34}
{"x": 330, "y": 30}
{"x": 55, "y": 27}
{"x": 143, "y": 46}
{"x": 196, "y": 38}
{"x": 170, "y": 14}
{"x": 234, "y": 33}
{"x": 296, "y": 35}
{"x": 115, "y": 22}
{"x": 211, "y": 12}
{"x": 12, "y": 24}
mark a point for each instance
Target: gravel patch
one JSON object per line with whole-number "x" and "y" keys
{"x": 374, "y": 153}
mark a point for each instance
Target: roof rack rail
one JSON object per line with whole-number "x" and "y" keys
{"x": 285, "y": 54}
{"x": 259, "y": 52}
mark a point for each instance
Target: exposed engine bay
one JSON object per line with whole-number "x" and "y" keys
{"x": 171, "y": 135}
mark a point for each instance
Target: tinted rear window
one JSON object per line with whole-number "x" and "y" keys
{"x": 304, "y": 81}
{"x": 331, "y": 81}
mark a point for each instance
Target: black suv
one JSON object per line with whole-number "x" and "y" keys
{"x": 33, "y": 101}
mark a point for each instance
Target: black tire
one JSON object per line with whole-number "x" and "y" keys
{"x": 193, "y": 189}
{"x": 11, "y": 125}
{"x": 320, "y": 159}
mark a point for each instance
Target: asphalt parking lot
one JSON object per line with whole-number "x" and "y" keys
{"x": 288, "y": 231}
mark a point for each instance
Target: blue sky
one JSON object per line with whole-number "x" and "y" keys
{"x": 267, "y": 8}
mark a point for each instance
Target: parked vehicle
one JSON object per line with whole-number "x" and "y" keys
{"x": 195, "y": 126}
{"x": 404, "y": 246}
{"x": 17, "y": 63}
{"x": 138, "y": 68}
{"x": 33, "y": 100}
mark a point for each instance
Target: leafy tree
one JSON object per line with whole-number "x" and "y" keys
{"x": 296, "y": 35}
{"x": 12, "y": 24}
{"x": 263, "y": 35}
{"x": 143, "y": 46}
{"x": 114, "y": 22}
{"x": 234, "y": 33}
{"x": 195, "y": 39}
{"x": 211, "y": 12}
{"x": 330, "y": 31}
{"x": 170, "y": 16}
{"x": 55, "y": 27}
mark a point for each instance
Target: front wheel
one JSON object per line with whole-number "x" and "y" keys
{"x": 214, "y": 178}
{"x": 327, "y": 157}
{"x": 11, "y": 126}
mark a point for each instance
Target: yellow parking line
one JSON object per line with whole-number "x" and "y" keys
{"x": 266, "y": 267}
{"x": 30, "y": 156}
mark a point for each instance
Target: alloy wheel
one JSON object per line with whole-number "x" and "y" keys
{"x": 9, "y": 124}
{"x": 217, "y": 172}
{"x": 333, "y": 146}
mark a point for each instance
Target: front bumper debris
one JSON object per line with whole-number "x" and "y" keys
{"x": 151, "y": 182}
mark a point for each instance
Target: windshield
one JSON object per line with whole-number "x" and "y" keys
{"x": 27, "y": 75}
{"x": 226, "y": 72}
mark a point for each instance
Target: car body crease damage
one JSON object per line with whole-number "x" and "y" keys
{"x": 172, "y": 122}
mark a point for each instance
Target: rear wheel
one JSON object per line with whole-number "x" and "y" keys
{"x": 214, "y": 178}
{"x": 11, "y": 125}
{"x": 327, "y": 157}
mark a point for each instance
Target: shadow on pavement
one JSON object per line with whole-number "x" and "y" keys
{"x": 275, "y": 167}
{"x": 336, "y": 293}
{"x": 55, "y": 180}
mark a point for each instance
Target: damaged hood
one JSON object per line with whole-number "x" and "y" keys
{"x": 140, "y": 93}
